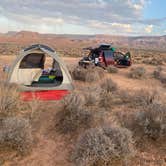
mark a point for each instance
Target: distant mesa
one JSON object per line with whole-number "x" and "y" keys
{"x": 73, "y": 41}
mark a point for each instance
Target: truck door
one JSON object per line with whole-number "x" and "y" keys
{"x": 109, "y": 57}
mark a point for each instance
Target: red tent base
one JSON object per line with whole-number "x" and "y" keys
{"x": 44, "y": 95}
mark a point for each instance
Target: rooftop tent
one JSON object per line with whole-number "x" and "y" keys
{"x": 29, "y": 71}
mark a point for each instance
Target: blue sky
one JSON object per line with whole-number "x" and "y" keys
{"x": 155, "y": 9}
{"x": 115, "y": 17}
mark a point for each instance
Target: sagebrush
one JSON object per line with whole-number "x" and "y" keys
{"x": 152, "y": 121}
{"x": 9, "y": 99}
{"x": 137, "y": 73}
{"x": 16, "y": 133}
{"x": 112, "y": 69}
{"x": 74, "y": 115}
{"x": 103, "y": 146}
{"x": 108, "y": 85}
{"x": 87, "y": 75}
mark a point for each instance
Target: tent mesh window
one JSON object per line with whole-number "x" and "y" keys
{"x": 34, "y": 60}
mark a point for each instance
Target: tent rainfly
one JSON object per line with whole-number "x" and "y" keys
{"x": 29, "y": 71}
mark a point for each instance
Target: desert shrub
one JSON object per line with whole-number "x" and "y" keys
{"x": 102, "y": 146}
{"x": 154, "y": 61}
{"x": 34, "y": 108}
{"x": 123, "y": 97}
{"x": 157, "y": 72}
{"x": 88, "y": 75}
{"x": 92, "y": 75}
{"x": 108, "y": 85}
{"x": 92, "y": 95}
{"x": 106, "y": 100}
{"x": 9, "y": 99}
{"x": 163, "y": 78}
{"x": 114, "y": 99}
{"x": 112, "y": 69}
{"x": 73, "y": 101}
{"x": 144, "y": 98}
{"x": 150, "y": 122}
{"x": 79, "y": 73}
{"x": 107, "y": 94}
{"x": 160, "y": 75}
{"x": 73, "y": 116}
{"x": 137, "y": 72}
{"x": 15, "y": 133}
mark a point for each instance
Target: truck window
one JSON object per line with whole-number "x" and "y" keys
{"x": 108, "y": 54}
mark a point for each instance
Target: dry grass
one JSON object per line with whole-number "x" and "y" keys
{"x": 163, "y": 79}
{"x": 9, "y": 99}
{"x": 112, "y": 69}
{"x": 84, "y": 110}
{"x": 107, "y": 93}
{"x": 79, "y": 73}
{"x": 149, "y": 119}
{"x": 88, "y": 75}
{"x": 160, "y": 74}
{"x": 157, "y": 73}
{"x": 16, "y": 133}
{"x": 108, "y": 85}
{"x": 152, "y": 121}
{"x": 103, "y": 146}
{"x": 143, "y": 98}
{"x": 137, "y": 73}
{"x": 106, "y": 100}
{"x": 92, "y": 95}
{"x": 154, "y": 61}
{"x": 147, "y": 123}
{"x": 73, "y": 115}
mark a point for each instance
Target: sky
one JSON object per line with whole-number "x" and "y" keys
{"x": 115, "y": 17}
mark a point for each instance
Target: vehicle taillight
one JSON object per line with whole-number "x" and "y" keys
{"x": 101, "y": 59}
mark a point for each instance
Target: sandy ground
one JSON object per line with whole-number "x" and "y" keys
{"x": 52, "y": 149}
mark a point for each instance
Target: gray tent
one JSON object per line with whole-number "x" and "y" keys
{"x": 28, "y": 70}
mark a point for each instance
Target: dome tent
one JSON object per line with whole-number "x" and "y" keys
{"x": 28, "y": 72}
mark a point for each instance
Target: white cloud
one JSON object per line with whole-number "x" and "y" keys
{"x": 98, "y": 16}
{"x": 125, "y": 27}
{"x": 114, "y": 27}
{"x": 149, "y": 28}
{"x": 101, "y": 10}
{"x": 138, "y": 7}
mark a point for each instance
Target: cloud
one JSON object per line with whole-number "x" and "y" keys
{"x": 101, "y": 10}
{"x": 149, "y": 28}
{"x": 103, "y": 16}
{"x": 111, "y": 28}
{"x": 125, "y": 27}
